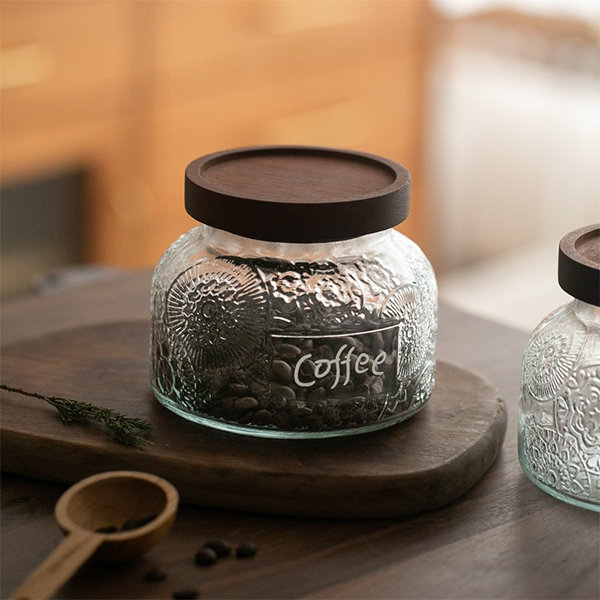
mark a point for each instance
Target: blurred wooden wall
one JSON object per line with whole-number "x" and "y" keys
{"x": 133, "y": 91}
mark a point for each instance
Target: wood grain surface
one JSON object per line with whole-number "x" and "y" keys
{"x": 299, "y": 194}
{"x": 505, "y": 538}
{"x": 420, "y": 464}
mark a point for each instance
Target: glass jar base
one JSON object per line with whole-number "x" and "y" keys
{"x": 280, "y": 433}
{"x": 588, "y": 504}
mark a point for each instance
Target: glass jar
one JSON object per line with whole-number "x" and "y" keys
{"x": 559, "y": 412}
{"x": 295, "y": 310}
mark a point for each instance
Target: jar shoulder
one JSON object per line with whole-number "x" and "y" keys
{"x": 397, "y": 256}
{"x": 187, "y": 249}
{"x": 570, "y": 317}
{"x": 560, "y": 348}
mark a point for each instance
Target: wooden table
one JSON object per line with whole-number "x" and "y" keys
{"x": 503, "y": 539}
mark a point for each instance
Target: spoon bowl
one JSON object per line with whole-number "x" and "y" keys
{"x": 114, "y": 516}
{"x": 113, "y": 499}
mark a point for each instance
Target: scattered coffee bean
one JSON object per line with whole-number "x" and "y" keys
{"x": 206, "y": 556}
{"x": 245, "y": 550}
{"x": 107, "y": 529}
{"x": 220, "y": 547}
{"x": 186, "y": 594}
{"x": 156, "y": 574}
{"x": 139, "y": 522}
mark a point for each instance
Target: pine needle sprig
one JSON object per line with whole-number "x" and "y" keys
{"x": 121, "y": 428}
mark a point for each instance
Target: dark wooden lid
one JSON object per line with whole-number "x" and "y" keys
{"x": 297, "y": 193}
{"x": 579, "y": 264}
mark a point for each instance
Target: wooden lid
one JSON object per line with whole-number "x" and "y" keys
{"x": 579, "y": 264}
{"x": 297, "y": 193}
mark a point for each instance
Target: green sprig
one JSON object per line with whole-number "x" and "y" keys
{"x": 121, "y": 428}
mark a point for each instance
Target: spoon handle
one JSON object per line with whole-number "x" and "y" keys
{"x": 58, "y": 567}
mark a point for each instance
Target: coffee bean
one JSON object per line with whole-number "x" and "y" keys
{"x": 107, "y": 529}
{"x": 278, "y": 403}
{"x": 320, "y": 406}
{"x": 258, "y": 388}
{"x": 316, "y": 394}
{"x": 282, "y": 371}
{"x": 237, "y": 389}
{"x": 307, "y": 344}
{"x": 332, "y": 419}
{"x": 155, "y": 574}
{"x": 139, "y": 522}
{"x": 390, "y": 372}
{"x": 186, "y": 594}
{"x": 301, "y": 411}
{"x": 347, "y": 388}
{"x": 220, "y": 547}
{"x": 356, "y": 401}
{"x": 281, "y": 395}
{"x": 307, "y": 368}
{"x": 328, "y": 382}
{"x": 283, "y": 420}
{"x": 282, "y": 391}
{"x": 353, "y": 341}
{"x": 245, "y": 550}
{"x": 362, "y": 389}
{"x": 287, "y": 351}
{"x": 245, "y": 403}
{"x": 205, "y": 556}
{"x": 227, "y": 404}
{"x": 325, "y": 352}
{"x": 245, "y": 419}
{"x": 377, "y": 386}
{"x": 263, "y": 417}
{"x": 314, "y": 422}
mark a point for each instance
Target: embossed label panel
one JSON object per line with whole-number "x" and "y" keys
{"x": 365, "y": 362}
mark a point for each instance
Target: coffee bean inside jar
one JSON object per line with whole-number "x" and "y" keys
{"x": 266, "y": 335}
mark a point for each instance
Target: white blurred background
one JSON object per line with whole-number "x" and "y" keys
{"x": 513, "y": 150}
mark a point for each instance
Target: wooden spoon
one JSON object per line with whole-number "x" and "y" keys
{"x": 109, "y": 499}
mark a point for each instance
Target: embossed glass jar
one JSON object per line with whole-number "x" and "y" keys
{"x": 295, "y": 310}
{"x": 559, "y": 411}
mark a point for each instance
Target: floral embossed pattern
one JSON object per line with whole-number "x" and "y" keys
{"x": 217, "y": 312}
{"x": 550, "y": 358}
{"x": 555, "y": 459}
{"x": 559, "y": 420}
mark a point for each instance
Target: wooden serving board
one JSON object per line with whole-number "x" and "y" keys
{"x": 423, "y": 463}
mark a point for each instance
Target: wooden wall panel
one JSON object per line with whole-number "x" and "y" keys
{"x": 139, "y": 89}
